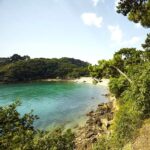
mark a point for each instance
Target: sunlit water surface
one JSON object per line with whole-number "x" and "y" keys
{"x": 56, "y": 103}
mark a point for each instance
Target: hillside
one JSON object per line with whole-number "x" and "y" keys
{"x": 17, "y": 68}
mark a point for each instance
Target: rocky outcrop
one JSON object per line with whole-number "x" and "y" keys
{"x": 98, "y": 124}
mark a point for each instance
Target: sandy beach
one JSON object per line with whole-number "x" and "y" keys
{"x": 89, "y": 80}
{"x": 104, "y": 82}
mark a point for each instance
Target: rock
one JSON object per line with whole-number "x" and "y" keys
{"x": 99, "y": 105}
{"x": 93, "y": 140}
{"x": 90, "y": 134}
{"x": 90, "y": 113}
{"x": 108, "y": 125}
{"x": 97, "y": 120}
{"x": 110, "y": 116}
{"x": 106, "y": 95}
{"x": 105, "y": 122}
{"x": 98, "y": 124}
{"x": 90, "y": 121}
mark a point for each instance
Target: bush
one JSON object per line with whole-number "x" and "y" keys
{"x": 118, "y": 85}
{"x": 126, "y": 121}
{"x": 102, "y": 143}
{"x": 18, "y": 132}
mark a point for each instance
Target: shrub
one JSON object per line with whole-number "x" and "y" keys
{"x": 118, "y": 85}
{"x": 18, "y": 132}
{"x": 126, "y": 121}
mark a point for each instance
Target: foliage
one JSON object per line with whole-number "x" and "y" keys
{"x": 17, "y": 132}
{"x": 13, "y": 58}
{"x": 139, "y": 90}
{"x": 123, "y": 60}
{"x": 126, "y": 121}
{"x": 102, "y": 144}
{"x": 129, "y": 56}
{"x": 134, "y": 103}
{"x": 137, "y": 11}
{"x": 133, "y": 98}
{"x": 103, "y": 69}
{"x": 40, "y": 68}
{"x": 17, "y": 57}
{"x": 146, "y": 46}
{"x": 118, "y": 85}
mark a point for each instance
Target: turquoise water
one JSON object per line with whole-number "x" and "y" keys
{"x": 56, "y": 103}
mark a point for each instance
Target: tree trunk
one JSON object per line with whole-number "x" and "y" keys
{"x": 123, "y": 74}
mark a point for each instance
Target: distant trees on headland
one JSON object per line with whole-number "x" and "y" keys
{"x": 23, "y": 68}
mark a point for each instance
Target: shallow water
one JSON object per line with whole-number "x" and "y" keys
{"x": 56, "y": 103}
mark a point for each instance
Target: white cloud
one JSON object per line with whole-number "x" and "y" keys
{"x": 116, "y": 33}
{"x": 91, "y": 19}
{"x": 117, "y": 38}
{"x": 133, "y": 41}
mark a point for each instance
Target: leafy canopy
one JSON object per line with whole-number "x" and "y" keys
{"x": 137, "y": 11}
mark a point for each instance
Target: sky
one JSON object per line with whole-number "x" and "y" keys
{"x": 89, "y": 30}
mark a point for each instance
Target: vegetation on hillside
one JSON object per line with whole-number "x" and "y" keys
{"x": 129, "y": 74}
{"x": 17, "y": 68}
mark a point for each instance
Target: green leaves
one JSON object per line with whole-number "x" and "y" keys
{"x": 133, "y": 98}
{"x": 137, "y": 11}
{"x": 40, "y": 68}
{"x": 118, "y": 85}
{"x": 18, "y": 133}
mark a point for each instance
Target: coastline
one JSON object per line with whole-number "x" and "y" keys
{"x": 103, "y": 82}
{"x": 98, "y": 122}
{"x": 89, "y": 80}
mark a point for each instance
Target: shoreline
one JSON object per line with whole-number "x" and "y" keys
{"x": 98, "y": 121}
{"x": 89, "y": 80}
{"x": 85, "y": 80}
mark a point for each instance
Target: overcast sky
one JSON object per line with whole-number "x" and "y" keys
{"x": 85, "y": 29}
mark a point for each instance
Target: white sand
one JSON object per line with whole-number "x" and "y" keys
{"x": 104, "y": 82}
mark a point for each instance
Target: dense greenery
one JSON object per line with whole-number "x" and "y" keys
{"x": 17, "y": 68}
{"x": 18, "y": 133}
{"x": 129, "y": 73}
{"x": 137, "y": 11}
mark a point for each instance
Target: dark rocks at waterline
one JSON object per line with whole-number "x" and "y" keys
{"x": 106, "y": 95}
{"x": 90, "y": 113}
{"x": 98, "y": 124}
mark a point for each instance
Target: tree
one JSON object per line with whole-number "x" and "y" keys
{"x": 15, "y": 57}
{"x": 137, "y": 11}
{"x": 129, "y": 56}
{"x": 18, "y": 132}
{"x": 26, "y": 69}
{"x": 25, "y": 57}
{"x": 146, "y": 47}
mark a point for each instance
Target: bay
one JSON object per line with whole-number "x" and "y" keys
{"x": 56, "y": 103}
